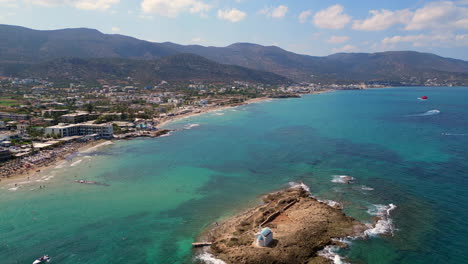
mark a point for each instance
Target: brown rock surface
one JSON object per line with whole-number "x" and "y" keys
{"x": 302, "y": 226}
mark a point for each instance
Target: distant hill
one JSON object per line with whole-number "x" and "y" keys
{"x": 175, "y": 68}
{"x": 21, "y": 46}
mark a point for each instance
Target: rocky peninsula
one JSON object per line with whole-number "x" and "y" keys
{"x": 301, "y": 225}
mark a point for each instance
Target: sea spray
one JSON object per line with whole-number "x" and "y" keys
{"x": 385, "y": 224}
{"x": 329, "y": 252}
{"x": 345, "y": 179}
{"x": 208, "y": 258}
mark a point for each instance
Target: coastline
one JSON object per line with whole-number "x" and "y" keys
{"x": 35, "y": 172}
{"x": 166, "y": 121}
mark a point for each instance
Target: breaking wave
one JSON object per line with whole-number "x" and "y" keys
{"x": 209, "y": 258}
{"x": 190, "y": 126}
{"x": 366, "y": 188}
{"x": 385, "y": 224}
{"x": 342, "y": 179}
{"x": 300, "y": 185}
{"x": 329, "y": 253}
{"x": 76, "y": 163}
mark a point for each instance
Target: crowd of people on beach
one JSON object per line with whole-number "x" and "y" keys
{"x": 39, "y": 159}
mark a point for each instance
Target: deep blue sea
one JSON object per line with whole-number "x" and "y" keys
{"x": 163, "y": 192}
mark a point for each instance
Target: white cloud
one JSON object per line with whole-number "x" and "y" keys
{"x": 332, "y": 18}
{"x": 80, "y": 4}
{"x": 346, "y": 48}
{"x": 438, "y": 15}
{"x": 446, "y": 40}
{"x": 337, "y": 39}
{"x": 232, "y": 15}
{"x": 172, "y": 8}
{"x": 197, "y": 40}
{"x": 115, "y": 29}
{"x": 383, "y": 19}
{"x": 274, "y": 12}
{"x": 95, "y": 5}
{"x": 304, "y": 16}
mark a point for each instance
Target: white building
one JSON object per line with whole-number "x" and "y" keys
{"x": 264, "y": 237}
{"x": 81, "y": 129}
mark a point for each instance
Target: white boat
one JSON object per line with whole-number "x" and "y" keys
{"x": 42, "y": 259}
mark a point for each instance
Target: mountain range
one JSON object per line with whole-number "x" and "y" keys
{"x": 28, "y": 51}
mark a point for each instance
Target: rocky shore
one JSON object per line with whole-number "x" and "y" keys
{"x": 301, "y": 226}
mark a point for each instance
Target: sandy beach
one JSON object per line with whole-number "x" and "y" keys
{"x": 165, "y": 121}
{"x": 32, "y": 172}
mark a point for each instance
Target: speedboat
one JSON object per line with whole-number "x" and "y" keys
{"x": 42, "y": 259}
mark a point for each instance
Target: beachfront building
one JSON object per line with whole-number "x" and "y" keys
{"x": 264, "y": 237}
{"x": 4, "y": 154}
{"x": 75, "y": 118}
{"x": 81, "y": 129}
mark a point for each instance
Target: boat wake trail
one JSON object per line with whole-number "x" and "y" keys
{"x": 428, "y": 113}
{"x": 455, "y": 135}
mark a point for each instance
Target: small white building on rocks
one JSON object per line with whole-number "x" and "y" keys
{"x": 264, "y": 237}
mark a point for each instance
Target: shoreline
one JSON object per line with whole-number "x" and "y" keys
{"x": 168, "y": 120}
{"x": 32, "y": 172}
{"x": 35, "y": 172}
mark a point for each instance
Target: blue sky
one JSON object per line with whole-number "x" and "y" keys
{"x": 314, "y": 27}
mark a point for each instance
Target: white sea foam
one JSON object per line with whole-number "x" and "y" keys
{"x": 166, "y": 135}
{"x": 329, "y": 253}
{"x": 97, "y": 146}
{"x": 209, "y": 258}
{"x": 342, "y": 179}
{"x": 218, "y": 113}
{"x": 76, "y": 163}
{"x": 307, "y": 189}
{"x": 300, "y": 185}
{"x": 428, "y": 113}
{"x": 366, "y": 188}
{"x": 190, "y": 126}
{"x": 385, "y": 224}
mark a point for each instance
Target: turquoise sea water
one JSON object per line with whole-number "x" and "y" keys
{"x": 163, "y": 192}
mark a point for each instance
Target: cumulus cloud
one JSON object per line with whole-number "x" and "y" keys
{"x": 337, "y": 39}
{"x": 172, "y": 8}
{"x": 346, "y": 48}
{"x": 332, "y": 18}
{"x": 233, "y": 15}
{"x": 439, "y": 15}
{"x": 427, "y": 40}
{"x": 303, "y": 16}
{"x": 80, "y": 4}
{"x": 274, "y": 12}
{"x": 383, "y": 19}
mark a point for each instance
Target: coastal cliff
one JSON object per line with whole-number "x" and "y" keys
{"x": 302, "y": 226}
